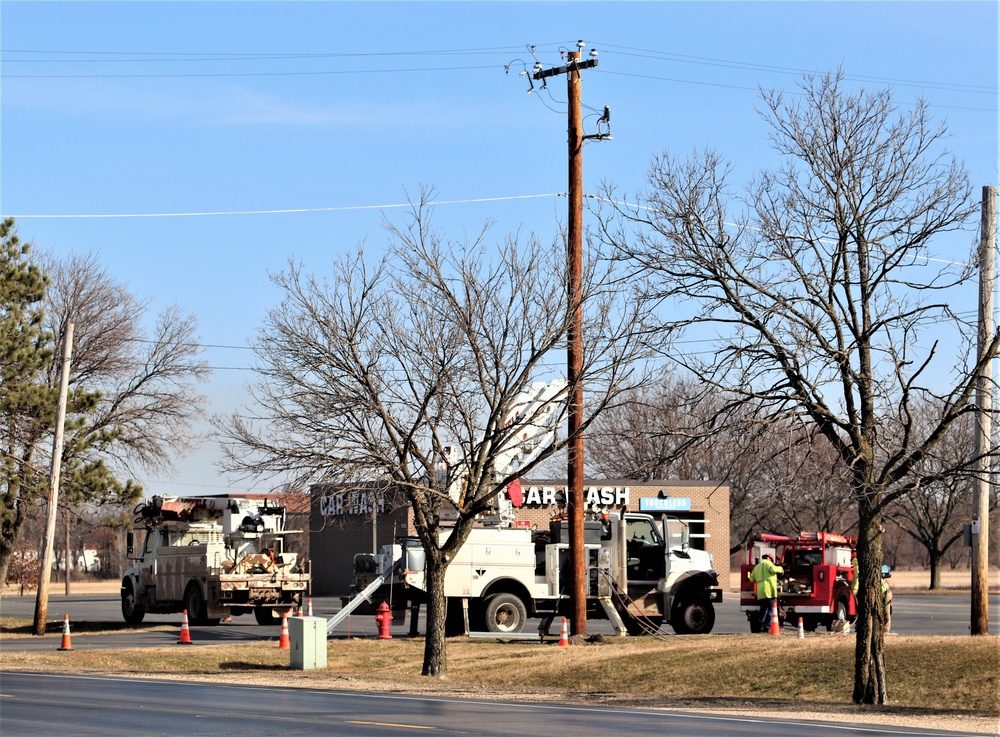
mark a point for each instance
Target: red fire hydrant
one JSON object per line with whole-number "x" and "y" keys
{"x": 384, "y": 618}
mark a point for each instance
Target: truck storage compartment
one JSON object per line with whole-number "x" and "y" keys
{"x": 592, "y": 531}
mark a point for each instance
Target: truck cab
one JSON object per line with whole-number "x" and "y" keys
{"x": 666, "y": 583}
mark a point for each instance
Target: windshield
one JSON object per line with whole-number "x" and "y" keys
{"x": 643, "y": 531}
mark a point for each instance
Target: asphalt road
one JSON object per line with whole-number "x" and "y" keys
{"x": 913, "y": 614}
{"x": 44, "y": 704}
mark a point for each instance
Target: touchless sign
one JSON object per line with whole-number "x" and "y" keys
{"x": 671, "y": 504}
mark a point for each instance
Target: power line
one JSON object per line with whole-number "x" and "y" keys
{"x": 732, "y": 64}
{"x": 295, "y": 210}
{"x": 755, "y": 89}
{"x": 621, "y": 50}
{"x": 239, "y": 56}
{"x": 247, "y": 74}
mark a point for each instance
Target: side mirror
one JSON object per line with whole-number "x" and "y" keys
{"x": 685, "y": 537}
{"x": 129, "y": 542}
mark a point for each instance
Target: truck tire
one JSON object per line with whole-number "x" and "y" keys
{"x": 505, "y": 613}
{"x": 265, "y": 616}
{"x": 454, "y": 617}
{"x": 693, "y": 617}
{"x": 132, "y": 612}
{"x": 196, "y": 608}
{"x": 837, "y": 621}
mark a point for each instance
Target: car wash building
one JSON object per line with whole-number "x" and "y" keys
{"x": 344, "y": 522}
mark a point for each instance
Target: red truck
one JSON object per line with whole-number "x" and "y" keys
{"x": 815, "y": 585}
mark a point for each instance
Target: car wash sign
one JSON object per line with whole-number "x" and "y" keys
{"x": 670, "y": 504}
{"x": 351, "y": 503}
{"x": 594, "y": 496}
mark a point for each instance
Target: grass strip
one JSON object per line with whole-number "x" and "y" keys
{"x": 935, "y": 674}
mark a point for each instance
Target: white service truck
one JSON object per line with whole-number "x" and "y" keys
{"x": 503, "y": 576}
{"x": 213, "y": 557}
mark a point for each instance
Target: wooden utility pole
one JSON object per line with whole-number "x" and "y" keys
{"x": 66, "y": 548}
{"x": 45, "y": 573}
{"x": 574, "y": 352}
{"x": 984, "y": 402}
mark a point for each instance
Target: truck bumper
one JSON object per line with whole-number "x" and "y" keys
{"x": 252, "y": 592}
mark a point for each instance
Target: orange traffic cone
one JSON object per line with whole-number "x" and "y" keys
{"x": 283, "y": 642}
{"x": 67, "y": 643}
{"x": 185, "y": 630}
{"x": 775, "y": 624}
{"x": 802, "y": 630}
{"x": 564, "y": 635}
{"x": 309, "y": 606}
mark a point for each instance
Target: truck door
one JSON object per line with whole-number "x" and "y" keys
{"x": 644, "y": 551}
{"x": 147, "y": 563}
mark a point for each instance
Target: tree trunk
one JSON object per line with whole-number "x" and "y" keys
{"x": 935, "y": 558}
{"x": 869, "y": 669}
{"x": 10, "y": 536}
{"x": 435, "y": 657}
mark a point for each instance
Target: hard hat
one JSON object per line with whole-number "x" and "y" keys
{"x": 768, "y": 556}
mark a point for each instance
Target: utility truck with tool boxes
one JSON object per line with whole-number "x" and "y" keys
{"x": 502, "y": 576}
{"x": 815, "y": 584}
{"x": 213, "y": 557}
{"x": 642, "y": 572}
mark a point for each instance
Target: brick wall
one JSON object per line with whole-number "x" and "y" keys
{"x": 340, "y": 530}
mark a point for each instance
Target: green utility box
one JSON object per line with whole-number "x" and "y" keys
{"x": 307, "y": 642}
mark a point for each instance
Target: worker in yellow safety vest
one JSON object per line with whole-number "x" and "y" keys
{"x": 765, "y": 576}
{"x": 855, "y": 572}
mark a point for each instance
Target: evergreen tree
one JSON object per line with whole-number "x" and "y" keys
{"x": 26, "y": 402}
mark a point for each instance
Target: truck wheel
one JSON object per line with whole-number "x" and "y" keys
{"x": 695, "y": 617}
{"x": 264, "y": 616}
{"x": 505, "y": 613}
{"x": 132, "y": 612}
{"x": 196, "y": 607}
{"x": 837, "y": 622}
{"x": 454, "y": 617}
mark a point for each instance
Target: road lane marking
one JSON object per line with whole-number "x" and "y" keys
{"x": 389, "y": 724}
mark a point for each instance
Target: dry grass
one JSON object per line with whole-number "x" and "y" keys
{"x": 13, "y": 628}
{"x": 957, "y": 675}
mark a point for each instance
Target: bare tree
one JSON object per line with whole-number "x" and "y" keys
{"x": 935, "y": 518}
{"x": 672, "y": 429}
{"x": 809, "y": 488}
{"x": 146, "y": 378}
{"x": 779, "y": 480}
{"x": 132, "y": 391}
{"x": 819, "y": 288}
{"x": 403, "y": 370}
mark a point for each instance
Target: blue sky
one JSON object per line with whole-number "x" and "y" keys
{"x": 333, "y": 109}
